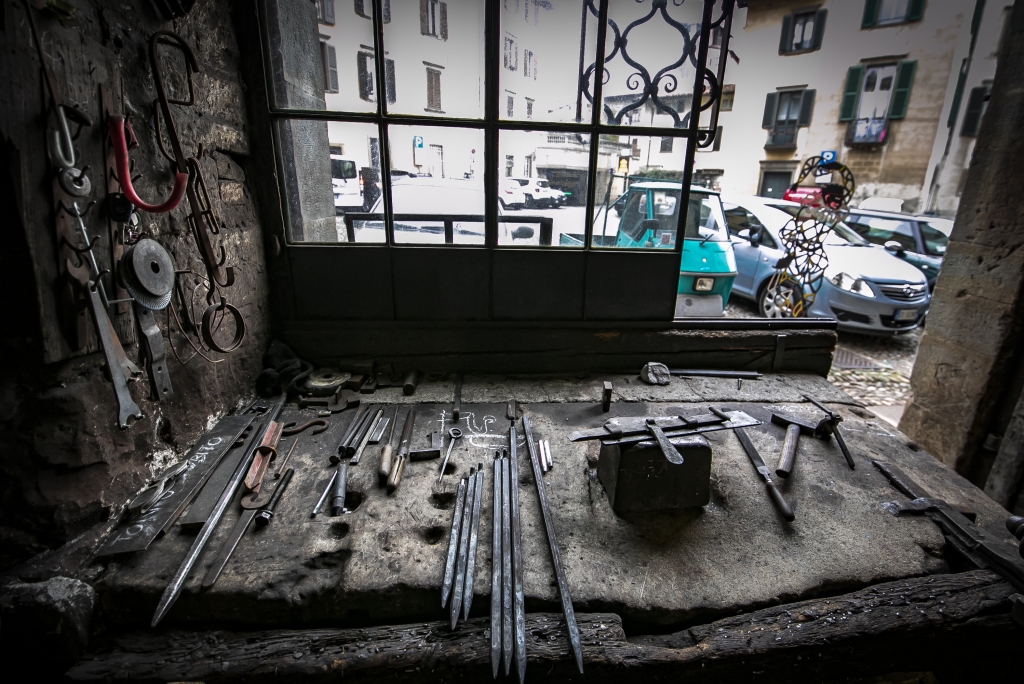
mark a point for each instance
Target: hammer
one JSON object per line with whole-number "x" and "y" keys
{"x": 834, "y": 420}
{"x": 795, "y": 425}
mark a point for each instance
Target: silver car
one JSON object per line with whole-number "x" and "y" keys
{"x": 865, "y": 288}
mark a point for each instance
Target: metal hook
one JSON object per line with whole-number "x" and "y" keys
{"x": 117, "y": 126}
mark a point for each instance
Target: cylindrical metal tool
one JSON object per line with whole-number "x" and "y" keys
{"x": 787, "y": 457}
{"x": 338, "y": 491}
{"x": 395, "y": 476}
{"x": 360, "y": 413}
{"x": 412, "y": 380}
{"x": 266, "y": 514}
{"x": 367, "y": 429}
{"x": 384, "y": 470}
{"x": 323, "y": 497}
{"x": 357, "y": 435}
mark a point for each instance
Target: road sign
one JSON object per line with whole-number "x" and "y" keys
{"x": 828, "y": 156}
{"x": 417, "y": 142}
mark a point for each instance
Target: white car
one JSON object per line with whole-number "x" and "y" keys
{"x": 511, "y": 195}
{"x": 539, "y": 193}
{"x": 348, "y": 187}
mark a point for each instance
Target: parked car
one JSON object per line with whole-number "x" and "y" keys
{"x": 511, "y": 195}
{"x": 539, "y": 193}
{"x": 865, "y": 288}
{"x": 919, "y": 240}
{"x": 348, "y": 187}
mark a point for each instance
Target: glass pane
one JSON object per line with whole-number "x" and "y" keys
{"x": 546, "y": 50}
{"x": 437, "y": 186}
{"x": 437, "y": 48}
{"x": 631, "y": 172}
{"x": 322, "y": 55}
{"x": 650, "y": 63}
{"x": 542, "y": 188}
{"x": 331, "y": 176}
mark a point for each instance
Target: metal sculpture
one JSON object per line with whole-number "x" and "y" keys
{"x": 798, "y": 276}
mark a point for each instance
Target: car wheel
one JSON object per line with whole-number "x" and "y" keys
{"x": 778, "y": 299}
{"x": 529, "y": 201}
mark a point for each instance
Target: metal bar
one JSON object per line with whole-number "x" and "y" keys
{"x": 323, "y": 497}
{"x": 556, "y": 556}
{"x": 244, "y": 520}
{"x": 496, "y": 563}
{"x": 371, "y": 426}
{"x": 453, "y": 544}
{"x": 460, "y": 563}
{"x": 762, "y": 470}
{"x": 702, "y": 373}
{"x": 506, "y": 568}
{"x": 474, "y": 529}
{"x": 457, "y": 401}
{"x": 517, "y": 557}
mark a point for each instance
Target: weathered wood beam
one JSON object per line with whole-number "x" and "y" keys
{"x": 939, "y": 623}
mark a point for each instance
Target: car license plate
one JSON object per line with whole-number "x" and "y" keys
{"x": 905, "y": 314}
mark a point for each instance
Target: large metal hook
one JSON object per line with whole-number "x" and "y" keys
{"x": 172, "y": 39}
{"x": 117, "y": 126}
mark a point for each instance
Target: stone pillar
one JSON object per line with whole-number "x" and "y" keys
{"x": 971, "y": 351}
{"x": 297, "y": 69}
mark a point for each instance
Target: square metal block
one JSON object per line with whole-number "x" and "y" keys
{"x": 640, "y": 478}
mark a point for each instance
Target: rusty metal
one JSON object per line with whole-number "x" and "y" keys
{"x": 762, "y": 470}
{"x": 368, "y": 428}
{"x": 398, "y": 467}
{"x": 289, "y": 429}
{"x": 265, "y": 453}
{"x": 820, "y": 429}
{"x": 506, "y": 565}
{"x": 457, "y": 402}
{"x": 339, "y": 490}
{"x": 671, "y": 453}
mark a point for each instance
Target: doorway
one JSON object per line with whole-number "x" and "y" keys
{"x": 775, "y": 183}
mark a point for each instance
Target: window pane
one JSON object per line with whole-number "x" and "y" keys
{"x": 438, "y": 52}
{"x": 547, "y": 48}
{"x": 331, "y": 177}
{"x": 935, "y": 235}
{"x": 543, "y": 175}
{"x": 632, "y": 173}
{"x": 437, "y": 187}
{"x": 659, "y": 92}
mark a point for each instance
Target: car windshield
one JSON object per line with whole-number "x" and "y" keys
{"x": 935, "y": 235}
{"x": 542, "y": 184}
{"x": 704, "y": 221}
{"x": 841, "y": 234}
{"x": 343, "y": 168}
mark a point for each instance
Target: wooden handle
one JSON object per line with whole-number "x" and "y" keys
{"x": 385, "y": 464}
{"x": 395, "y": 478}
{"x": 780, "y": 503}
{"x": 787, "y": 458}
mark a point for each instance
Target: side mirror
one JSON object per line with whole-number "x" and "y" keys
{"x": 895, "y": 247}
{"x": 753, "y": 237}
{"x": 650, "y": 224}
{"x": 618, "y": 208}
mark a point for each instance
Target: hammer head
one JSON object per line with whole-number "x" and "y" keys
{"x": 822, "y": 429}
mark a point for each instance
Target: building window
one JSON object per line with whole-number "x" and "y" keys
{"x": 528, "y": 166}
{"x": 666, "y": 144}
{"x": 977, "y": 102}
{"x": 510, "y": 162}
{"x": 434, "y": 19}
{"x": 364, "y": 9}
{"x": 784, "y": 113}
{"x": 510, "y": 60}
{"x": 889, "y": 12}
{"x": 433, "y": 89}
{"x": 529, "y": 108}
{"x": 529, "y": 64}
{"x": 365, "y": 67}
{"x": 329, "y": 56}
{"x": 510, "y": 102}
{"x": 802, "y": 32}
{"x": 716, "y": 37}
{"x": 325, "y": 12}
{"x": 874, "y": 95}
{"x": 728, "y": 95}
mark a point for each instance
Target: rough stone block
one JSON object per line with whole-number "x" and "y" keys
{"x": 46, "y": 623}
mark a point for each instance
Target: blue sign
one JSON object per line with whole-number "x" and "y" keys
{"x": 828, "y": 156}
{"x": 417, "y": 142}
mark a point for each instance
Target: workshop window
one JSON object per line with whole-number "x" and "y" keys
{"x": 785, "y": 112}
{"x": 326, "y": 9}
{"x": 889, "y": 12}
{"x": 802, "y": 32}
{"x": 977, "y": 102}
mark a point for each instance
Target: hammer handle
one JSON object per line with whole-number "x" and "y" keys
{"x": 780, "y": 502}
{"x": 787, "y": 458}
{"x": 395, "y": 478}
{"x": 385, "y": 464}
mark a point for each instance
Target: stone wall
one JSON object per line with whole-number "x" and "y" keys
{"x": 64, "y": 463}
{"x": 966, "y": 380}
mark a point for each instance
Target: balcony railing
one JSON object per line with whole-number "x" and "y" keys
{"x": 867, "y": 131}
{"x": 782, "y": 136}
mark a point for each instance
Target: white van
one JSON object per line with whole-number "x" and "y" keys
{"x": 348, "y": 186}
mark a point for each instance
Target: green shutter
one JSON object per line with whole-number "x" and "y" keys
{"x": 770, "y": 103}
{"x": 915, "y": 10}
{"x": 901, "y": 93}
{"x": 851, "y": 91}
{"x": 870, "y": 14}
{"x": 958, "y": 94}
{"x": 819, "y": 29}
{"x": 806, "y": 108}
{"x": 786, "y": 40}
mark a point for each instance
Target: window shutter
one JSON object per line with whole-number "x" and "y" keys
{"x": 386, "y": 11}
{"x": 389, "y": 80}
{"x": 332, "y": 69}
{"x": 329, "y": 12}
{"x": 819, "y": 29}
{"x": 975, "y": 108}
{"x": 870, "y": 14}
{"x": 915, "y": 10}
{"x": 901, "y": 93}
{"x": 851, "y": 92}
{"x": 360, "y": 8}
{"x": 444, "y": 21}
{"x": 958, "y": 95}
{"x": 424, "y": 24}
{"x": 363, "y": 69}
{"x": 718, "y": 140}
{"x": 770, "y": 103}
{"x": 806, "y": 108}
{"x": 786, "y": 40}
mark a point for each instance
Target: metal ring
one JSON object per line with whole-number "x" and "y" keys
{"x": 207, "y": 327}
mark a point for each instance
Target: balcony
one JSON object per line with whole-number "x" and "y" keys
{"x": 867, "y": 132}
{"x": 782, "y": 137}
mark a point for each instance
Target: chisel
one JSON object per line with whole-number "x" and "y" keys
{"x": 496, "y": 556}
{"x": 506, "y": 569}
{"x": 453, "y": 544}
{"x": 474, "y": 527}
{"x": 460, "y": 563}
{"x": 518, "y": 607}
{"x": 385, "y": 453}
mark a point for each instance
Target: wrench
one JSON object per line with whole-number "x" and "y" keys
{"x": 455, "y": 434}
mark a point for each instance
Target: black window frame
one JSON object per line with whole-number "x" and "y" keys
{"x": 784, "y": 135}
{"x": 789, "y": 23}
{"x": 869, "y": 20}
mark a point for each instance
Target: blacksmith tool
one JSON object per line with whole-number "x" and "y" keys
{"x": 453, "y": 544}
{"x": 463, "y": 557}
{"x": 431, "y": 452}
{"x": 795, "y": 426}
{"x": 631, "y": 430}
{"x": 385, "y": 453}
{"x": 144, "y": 499}
{"x": 543, "y": 455}
{"x": 356, "y": 419}
{"x": 671, "y": 453}
{"x": 361, "y": 431}
{"x": 474, "y": 529}
{"x": 547, "y": 453}
{"x": 395, "y": 476}
{"x": 454, "y": 434}
{"x": 412, "y": 380}
{"x": 341, "y": 400}
{"x": 496, "y": 564}
{"x": 323, "y": 497}
{"x": 173, "y": 589}
{"x": 834, "y": 419}
{"x": 506, "y": 565}
{"x": 265, "y": 514}
{"x": 703, "y": 373}
{"x": 519, "y": 613}
{"x": 606, "y": 397}
{"x": 556, "y": 556}
{"x": 265, "y": 453}
{"x": 787, "y": 457}
{"x": 371, "y": 425}
{"x": 457, "y": 402}
{"x": 378, "y": 432}
{"x": 338, "y": 489}
{"x": 977, "y": 546}
{"x": 762, "y": 469}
